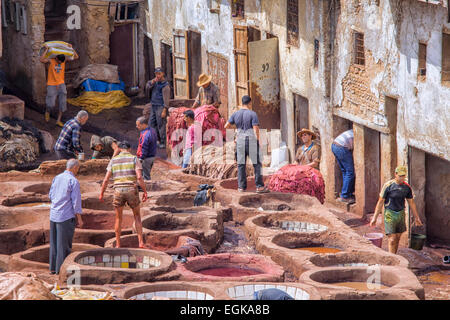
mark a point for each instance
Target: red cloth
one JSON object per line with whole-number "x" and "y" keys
{"x": 294, "y": 178}
{"x": 208, "y": 116}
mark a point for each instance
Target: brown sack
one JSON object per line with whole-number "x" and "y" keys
{"x": 101, "y": 72}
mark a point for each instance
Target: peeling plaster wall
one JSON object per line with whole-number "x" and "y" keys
{"x": 296, "y": 74}
{"x": 392, "y": 32}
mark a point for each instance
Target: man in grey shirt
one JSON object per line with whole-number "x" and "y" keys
{"x": 247, "y": 144}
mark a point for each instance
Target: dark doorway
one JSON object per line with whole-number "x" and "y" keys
{"x": 55, "y": 20}
{"x": 195, "y": 61}
{"x": 254, "y": 34}
{"x": 339, "y": 125}
{"x": 166, "y": 64}
{"x": 372, "y": 169}
{"x": 437, "y": 200}
{"x": 301, "y": 109}
{"x": 149, "y": 57}
{"x": 121, "y": 46}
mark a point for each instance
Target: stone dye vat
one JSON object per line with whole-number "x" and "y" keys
{"x": 363, "y": 279}
{"x": 112, "y": 266}
{"x": 230, "y": 267}
{"x": 175, "y": 290}
{"x": 22, "y": 228}
{"x": 165, "y": 185}
{"x": 358, "y": 259}
{"x": 172, "y": 199}
{"x": 317, "y": 245}
{"x": 98, "y": 226}
{"x": 270, "y": 224}
{"x": 297, "y": 291}
{"x": 37, "y": 258}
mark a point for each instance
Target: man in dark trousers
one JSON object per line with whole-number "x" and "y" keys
{"x": 159, "y": 92}
{"x": 146, "y": 151}
{"x": 247, "y": 144}
{"x": 65, "y": 196}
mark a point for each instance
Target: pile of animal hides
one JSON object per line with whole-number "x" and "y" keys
{"x": 294, "y": 178}
{"x": 216, "y": 162}
{"x": 209, "y": 118}
{"x": 20, "y": 144}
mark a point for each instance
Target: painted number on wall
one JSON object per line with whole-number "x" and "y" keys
{"x": 265, "y": 67}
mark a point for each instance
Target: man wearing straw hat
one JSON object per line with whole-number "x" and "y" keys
{"x": 309, "y": 153}
{"x": 393, "y": 195}
{"x": 208, "y": 93}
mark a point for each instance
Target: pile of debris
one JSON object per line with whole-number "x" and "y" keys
{"x": 216, "y": 162}
{"x": 294, "y": 178}
{"x": 20, "y": 144}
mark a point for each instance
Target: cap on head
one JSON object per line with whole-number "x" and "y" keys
{"x": 159, "y": 69}
{"x": 189, "y": 114}
{"x": 401, "y": 170}
{"x": 246, "y": 100}
{"x": 124, "y": 145}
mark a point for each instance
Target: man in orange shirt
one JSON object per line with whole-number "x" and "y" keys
{"x": 56, "y": 88}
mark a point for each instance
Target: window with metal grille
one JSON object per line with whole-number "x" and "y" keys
{"x": 359, "y": 57}
{"x": 316, "y": 53}
{"x": 422, "y": 70}
{"x": 292, "y": 23}
{"x": 446, "y": 58}
{"x": 237, "y": 8}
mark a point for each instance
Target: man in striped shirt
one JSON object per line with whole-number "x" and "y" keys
{"x": 126, "y": 171}
{"x": 342, "y": 149}
{"x": 68, "y": 145}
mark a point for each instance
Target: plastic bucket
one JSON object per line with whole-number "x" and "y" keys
{"x": 376, "y": 238}
{"x": 417, "y": 241}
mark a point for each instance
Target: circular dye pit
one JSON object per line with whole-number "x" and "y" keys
{"x": 33, "y": 205}
{"x": 37, "y": 258}
{"x": 241, "y": 271}
{"x": 267, "y": 202}
{"x": 175, "y": 199}
{"x": 168, "y": 291}
{"x": 169, "y": 185}
{"x": 183, "y": 212}
{"x": 357, "y": 259}
{"x": 10, "y": 219}
{"x": 104, "y": 220}
{"x": 226, "y": 266}
{"x": 118, "y": 265}
{"x": 172, "y": 222}
{"x": 246, "y": 291}
{"x": 308, "y": 243}
{"x": 299, "y": 226}
{"x": 44, "y": 188}
{"x": 352, "y": 278}
{"x": 319, "y": 249}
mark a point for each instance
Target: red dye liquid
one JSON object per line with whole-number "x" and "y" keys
{"x": 229, "y": 272}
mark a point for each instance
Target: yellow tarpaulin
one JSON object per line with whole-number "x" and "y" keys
{"x": 95, "y": 102}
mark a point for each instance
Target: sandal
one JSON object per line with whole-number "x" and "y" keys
{"x": 262, "y": 190}
{"x": 241, "y": 190}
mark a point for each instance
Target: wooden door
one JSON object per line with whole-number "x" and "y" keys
{"x": 194, "y": 41}
{"x": 122, "y": 52}
{"x": 180, "y": 65}
{"x": 218, "y": 69}
{"x": 241, "y": 62}
{"x": 166, "y": 65}
{"x": 265, "y": 82}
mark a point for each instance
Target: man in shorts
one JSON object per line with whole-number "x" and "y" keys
{"x": 56, "y": 86}
{"x": 393, "y": 196}
{"x": 126, "y": 171}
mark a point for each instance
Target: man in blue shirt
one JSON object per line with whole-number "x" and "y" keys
{"x": 146, "y": 151}
{"x": 65, "y": 196}
{"x": 247, "y": 144}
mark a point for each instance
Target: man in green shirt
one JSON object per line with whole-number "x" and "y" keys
{"x": 393, "y": 196}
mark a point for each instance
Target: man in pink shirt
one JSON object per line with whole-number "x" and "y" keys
{"x": 189, "y": 117}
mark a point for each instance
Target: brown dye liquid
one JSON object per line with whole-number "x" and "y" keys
{"x": 360, "y": 286}
{"x": 320, "y": 250}
{"x": 33, "y": 204}
{"x": 228, "y": 272}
